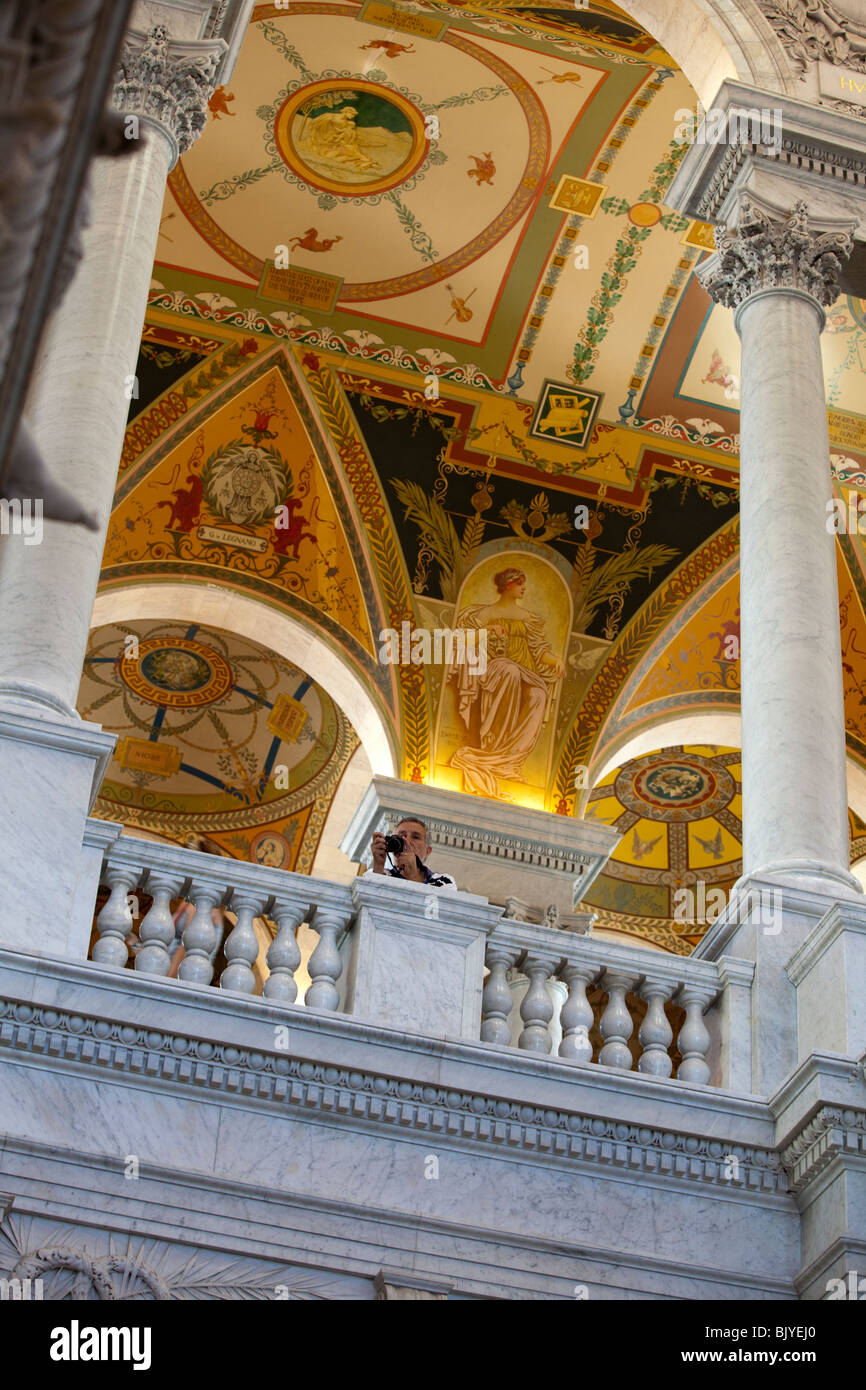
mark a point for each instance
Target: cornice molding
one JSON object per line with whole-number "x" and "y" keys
{"x": 833, "y": 1132}
{"x": 140, "y": 1055}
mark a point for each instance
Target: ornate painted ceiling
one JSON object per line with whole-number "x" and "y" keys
{"x": 219, "y": 738}
{"x": 419, "y": 318}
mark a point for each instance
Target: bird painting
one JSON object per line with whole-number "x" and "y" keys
{"x": 714, "y": 846}
{"x": 216, "y": 301}
{"x": 434, "y": 356}
{"x": 641, "y": 848}
{"x": 705, "y": 426}
{"x": 363, "y": 338}
{"x": 290, "y": 320}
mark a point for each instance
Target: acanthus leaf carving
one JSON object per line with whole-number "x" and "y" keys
{"x": 166, "y": 82}
{"x": 810, "y": 32}
{"x": 774, "y": 253}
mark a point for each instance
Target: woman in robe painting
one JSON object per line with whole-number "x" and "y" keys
{"x": 504, "y": 707}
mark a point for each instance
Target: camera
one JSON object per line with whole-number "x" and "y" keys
{"x": 395, "y": 844}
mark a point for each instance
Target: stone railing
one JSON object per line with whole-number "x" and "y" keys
{"x": 403, "y": 956}
{"x": 133, "y": 867}
{"x": 631, "y": 1027}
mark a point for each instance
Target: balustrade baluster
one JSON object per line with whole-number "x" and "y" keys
{"x": 694, "y": 1040}
{"x": 496, "y": 999}
{"x": 577, "y": 1013}
{"x": 616, "y": 1023}
{"x": 326, "y": 965}
{"x": 200, "y": 936}
{"x": 157, "y": 931}
{"x": 536, "y": 1009}
{"x": 284, "y": 954}
{"x": 115, "y": 920}
{"x": 655, "y": 1034}
{"x": 242, "y": 946}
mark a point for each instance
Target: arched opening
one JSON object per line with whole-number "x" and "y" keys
{"x": 711, "y": 40}
{"x": 286, "y": 635}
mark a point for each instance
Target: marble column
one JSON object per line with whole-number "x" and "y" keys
{"x": 79, "y": 398}
{"x": 51, "y": 762}
{"x": 779, "y": 273}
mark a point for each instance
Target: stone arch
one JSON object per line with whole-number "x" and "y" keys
{"x": 214, "y": 606}
{"x": 711, "y": 40}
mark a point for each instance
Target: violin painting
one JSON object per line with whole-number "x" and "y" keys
{"x": 458, "y": 307}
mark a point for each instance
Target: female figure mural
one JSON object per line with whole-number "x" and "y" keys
{"x": 504, "y": 708}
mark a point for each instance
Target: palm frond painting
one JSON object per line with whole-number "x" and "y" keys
{"x": 614, "y": 575}
{"x": 437, "y": 532}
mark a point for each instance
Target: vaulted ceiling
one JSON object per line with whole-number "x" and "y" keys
{"x": 419, "y": 314}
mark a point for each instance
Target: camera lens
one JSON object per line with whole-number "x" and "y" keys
{"x": 395, "y": 844}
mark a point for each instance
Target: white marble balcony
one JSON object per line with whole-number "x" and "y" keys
{"x": 406, "y": 1115}
{"x": 402, "y": 955}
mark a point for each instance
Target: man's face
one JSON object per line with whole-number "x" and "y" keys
{"x": 415, "y": 837}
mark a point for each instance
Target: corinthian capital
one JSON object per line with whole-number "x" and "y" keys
{"x": 168, "y": 81}
{"x": 775, "y": 252}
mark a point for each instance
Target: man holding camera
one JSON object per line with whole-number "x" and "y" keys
{"x": 407, "y": 847}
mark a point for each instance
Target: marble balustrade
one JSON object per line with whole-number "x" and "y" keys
{"x": 582, "y": 963}
{"x": 133, "y": 868}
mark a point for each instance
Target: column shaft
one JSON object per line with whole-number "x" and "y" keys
{"x": 794, "y": 787}
{"x": 77, "y": 410}
{"x": 779, "y": 273}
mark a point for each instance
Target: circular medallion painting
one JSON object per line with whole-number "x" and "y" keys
{"x": 270, "y": 849}
{"x": 674, "y": 788}
{"x": 179, "y": 673}
{"x": 347, "y": 139}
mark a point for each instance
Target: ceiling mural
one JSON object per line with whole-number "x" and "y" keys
{"x": 679, "y": 812}
{"x": 218, "y": 738}
{"x": 424, "y": 350}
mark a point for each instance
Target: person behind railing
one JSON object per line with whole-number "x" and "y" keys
{"x": 407, "y": 847}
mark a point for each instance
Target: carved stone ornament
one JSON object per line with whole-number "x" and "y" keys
{"x": 157, "y": 78}
{"x": 772, "y": 253}
{"x": 810, "y": 32}
{"x": 78, "y": 1263}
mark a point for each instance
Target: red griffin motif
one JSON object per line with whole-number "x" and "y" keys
{"x": 310, "y": 241}
{"x": 217, "y": 103}
{"x": 294, "y": 533}
{"x": 392, "y": 49}
{"x": 484, "y": 168}
{"x": 730, "y": 628}
{"x": 185, "y": 506}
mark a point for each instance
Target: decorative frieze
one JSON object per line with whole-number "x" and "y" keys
{"x": 510, "y": 1128}
{"x": 767, "y": 252}
{"x": 77, "y": 1263}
